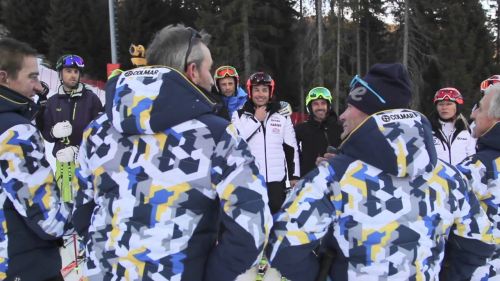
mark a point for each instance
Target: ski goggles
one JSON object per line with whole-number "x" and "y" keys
{"x": 358, "y": 80}
{"x": 73, "y": 60}
{"x": 450, "y": 94}
{"x": 490, "y": 81}
{"x": 194, "y": 34}
{"x": 318, "y": 93}
{"x": 225, "y": 71}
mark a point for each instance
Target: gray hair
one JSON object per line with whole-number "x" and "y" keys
{"x": 494, "y": 109}
{"x": 170, "y": 46}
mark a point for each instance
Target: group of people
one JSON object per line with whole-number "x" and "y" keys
{"x": 174, "y": 180}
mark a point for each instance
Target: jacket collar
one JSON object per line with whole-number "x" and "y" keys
{"x": 12, "y": 101}
{"x": 491, "y": 138}
{"x": 398, "y": 141}
{"x": 78, "y": 92}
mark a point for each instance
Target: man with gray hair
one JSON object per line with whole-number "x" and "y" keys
{"x": 159, "y": 172}
{"x": 483, "y": 171}
{"x": 390, "y": 201}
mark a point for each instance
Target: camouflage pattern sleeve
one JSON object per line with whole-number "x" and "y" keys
{"x": 483, "y": 179}
{"x": 471, "y": 221}
{"x": 485, "y": 185}
{"x": 84, "y": 191}
{"x": 308, "y": 212}
{"x": 28, "y": 182}
{"x": 470, "y": 243}
{"x": 246, "y": 218}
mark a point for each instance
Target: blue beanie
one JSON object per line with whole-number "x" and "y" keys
{"x": 390, "y": 81}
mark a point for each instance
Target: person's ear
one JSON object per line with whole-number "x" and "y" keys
{"x": 4, "y": 77}
{"x": 192, "y": 72}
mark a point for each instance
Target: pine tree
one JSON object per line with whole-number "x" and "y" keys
{"x": 26, "y": 21}
{"x": 65, "y": 33}
{"x": 139, "y": 20}
{"x": 97, "y": 45}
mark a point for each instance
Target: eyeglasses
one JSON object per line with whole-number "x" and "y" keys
{"x": 72, "y": 60}
{"x": 450, "y": 94}
{"x": 194, "y": 34}
{"x": 490, "y": 81}
{"x": 363, "y": 83}
{"x": 225, "y": 71}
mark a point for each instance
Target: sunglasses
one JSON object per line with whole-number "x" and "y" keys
{"x": 73, "y": 60}
{"x": 450, "y": 95}
{"x": 194, "y": 34}
{"x": 226, "y": 71}
{"x": 358, "y": 80}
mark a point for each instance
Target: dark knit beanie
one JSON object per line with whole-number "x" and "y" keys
{"x": 389, "y": 81}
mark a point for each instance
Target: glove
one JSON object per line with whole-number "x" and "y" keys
{"x": 67, "y": 154}
{"x": 42, "y": 95}
{"x": 285, "y": 109}
{"x": 62, "y": 130}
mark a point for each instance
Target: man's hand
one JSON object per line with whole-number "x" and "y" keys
{"x": 260, "y": 113}
{"x": 325, "y": 157}
{"x": 62, "y": 129}
{"x": 285, "y": 109}
{"x": 42, "y": 95}
{"x": 67, "y": 154}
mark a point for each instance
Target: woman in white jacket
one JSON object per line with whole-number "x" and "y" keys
{"x": 271, "y": 138}
{"x": 452, "y": 137}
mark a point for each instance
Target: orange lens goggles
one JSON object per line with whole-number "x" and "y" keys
{"x": 226, "y": 71}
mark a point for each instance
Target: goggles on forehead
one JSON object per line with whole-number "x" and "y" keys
{"x": 318, "y": 93}
{"x": 225, "y": 71}
{"x": 358, "y": 80}
{"x": 450, "y": 94}
{"x": 490, "y": 81}
{"x": 73, "y": 60}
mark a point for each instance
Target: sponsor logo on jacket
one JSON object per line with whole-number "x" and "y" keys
{"x": 141, "y": 72}
{"x": 398, "y": 116}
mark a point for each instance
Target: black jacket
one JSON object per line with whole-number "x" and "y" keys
{"x": 32, "y": 215}
{"x": 314, "y": 137}
{"x": 78, "y": 108}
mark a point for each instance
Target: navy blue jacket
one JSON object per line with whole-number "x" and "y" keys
{"x": 79, "y": 108}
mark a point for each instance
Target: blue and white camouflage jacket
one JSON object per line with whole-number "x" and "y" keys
{"x": 391, "y": 204}
{"x": 483, "y": 172}
{"x": 158, "y": 174}
{"x": 32, "y": 215}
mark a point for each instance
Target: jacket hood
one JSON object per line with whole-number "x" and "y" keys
{"x": 398, "y": 142}
{"x": 491, "y": 138}
{"x": 151, "y": 99}
{"x": 12, "y": 101}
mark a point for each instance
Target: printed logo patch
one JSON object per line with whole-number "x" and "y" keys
{"x": 398, "y": 116}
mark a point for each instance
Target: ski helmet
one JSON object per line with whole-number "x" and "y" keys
{"x": 318, "y": 93}
{"x": 260, "y": 78}
{"x": 226, "y": 71}
{"x": 70, "y": 61}
{"x": 450, "y": 94}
